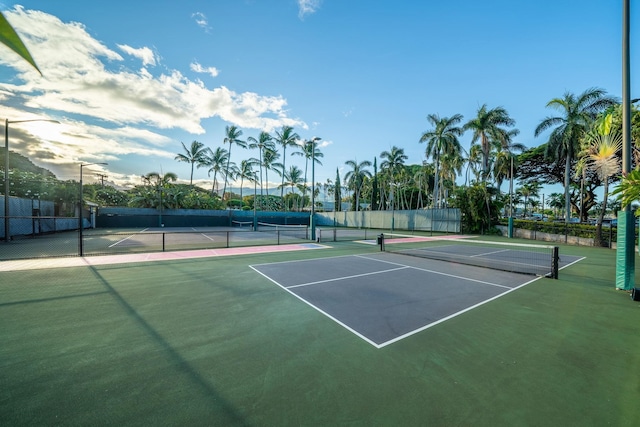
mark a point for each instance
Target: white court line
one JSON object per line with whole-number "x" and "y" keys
{"x": 344, "y": 325}
{"x": 121, "y": 240}
{"x": 210, "y": 238}
{"x": 490, "y": 253}
{"x": 451, "y": 316}
{"x": 348, "y": 277}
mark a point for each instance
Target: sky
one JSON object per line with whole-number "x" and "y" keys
{"x": 129, "y": 81}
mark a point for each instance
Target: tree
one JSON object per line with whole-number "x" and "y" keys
{"x": 528, "y": 190}
{"x": 263, "y": 143}
{"x": 355, "y": 178}
{"x": 232, "y": 137}
{"x": 245, "y": 171}
{"x": 286, "y": 137}
{"x": 269, "y": 162}
{"x": 292, "y": 178}
{"x": 215, "y": 161}
{"x": 600, "y": 154}
{"x": 576, "y": 115}
{"x": 309, "y": 150}
{"x": 159, "y": 184}
{"x": 374, "y": 187}
{"x": 337, "y": 193}
{"x": 392, "y": 165}
{"x": 442, "y": 139}
{"x": 10, "y": 38}
{"x": 629, "y": 189}
{"x": 486, "y": 126}
{"x": 472, "y": 202}
{"x": 194, "y": 154}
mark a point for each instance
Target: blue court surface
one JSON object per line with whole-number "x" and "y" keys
{"x": 385, "y": 297}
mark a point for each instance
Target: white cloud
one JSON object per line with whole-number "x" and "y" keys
{"x": 201, "y": 20}
{"x": 145, "y": 54}
{"x": 111, "y": 111}
{"x": 196, "y": 67}
{"x": 308, "y": 7}
{"x": 78, "y": 80}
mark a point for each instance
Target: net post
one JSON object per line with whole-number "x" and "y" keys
{"x": 555, "y": 260}
{"x": 381, "y": 242}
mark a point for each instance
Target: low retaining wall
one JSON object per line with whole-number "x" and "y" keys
{"x": 548, "y": 237}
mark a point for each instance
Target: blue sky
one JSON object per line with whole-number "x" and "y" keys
{"x": 130, "y": 80}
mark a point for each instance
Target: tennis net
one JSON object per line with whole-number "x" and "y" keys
{"x": 286, "y": 231}
{"x": 539, "y": 260}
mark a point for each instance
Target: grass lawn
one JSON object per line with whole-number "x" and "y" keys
{"x": 211, "y": 342}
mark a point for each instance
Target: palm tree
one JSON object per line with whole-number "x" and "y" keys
{"x": 576, "y": 115}
{"x": 505, "y": 162}
{"x": 443, "y": 139}
{"x": 451, "y": 167}
{"x": 216, "y": 161}
{"x": 393, "y": 164}
{"x": 486, "y": 127}
{"x": 293, "y": 178}
{"x": 355, "y": 178}
{"x": 245, "y": 171}
{"x": 194, "y": 154}
{"x": 286, "y": 137}
{"x": 474, "y": 163}
{"x": 263, "y": 143}
{"x": 309, "y": 150}
{"x": 160, "y": 183}
{"x": 528, "y": 190}
{"x": 269, "y": 162}
{"x": 600, "y": 151}
{"x": 233, "y": 135}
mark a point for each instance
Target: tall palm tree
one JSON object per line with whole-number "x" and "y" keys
{"x": 355, "y": 178}
{"x": 232, "y": 137}
{"x": 529, "y": 190}
{"x": 442, "y": 139}
{"x": 309, "y": 150}
{"x": 486, "y": 126}
{"x": 215, "y": 161}
{"x": 576, "y": 113}
{"x": 269, "y": 162}
{"x": 474, "y": 163}
{"x": 263, "y": 143}
{"x": 505, "y": 161}
{"x": 393, "y": 164}
{"x": 194, "y": 154}
{"x": 451, "y": 167}
{"x": 600, "y": 152}
{"x": 285, "y": 137}
{"x": 245, "y": 171}
{"x": 292, "y": 178}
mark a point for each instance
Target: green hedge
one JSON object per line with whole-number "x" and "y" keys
{"x": 570, "y": 229}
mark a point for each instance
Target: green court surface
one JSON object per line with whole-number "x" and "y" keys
{"x": 209, "y": 341}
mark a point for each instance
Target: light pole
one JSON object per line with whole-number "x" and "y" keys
{"x": 80, "y": 205}
{"x": 312, "y": 221}
{"x": 7, "y": 229}
{"x": 255, "y": 197}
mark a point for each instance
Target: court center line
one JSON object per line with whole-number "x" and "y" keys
{"x": 348, "y": 277}
{"x": 489, "y": 253}
{"x": 438, "y": 272}
{"x": 121, "y": 240}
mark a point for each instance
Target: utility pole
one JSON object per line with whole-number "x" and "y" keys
{"x": 102, "y": 178}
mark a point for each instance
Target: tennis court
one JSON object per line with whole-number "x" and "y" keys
{"x": 385, "y": 297}
{"x": 198, "y": 338}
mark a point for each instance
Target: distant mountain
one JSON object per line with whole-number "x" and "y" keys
{"x": 22, "y": 163}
